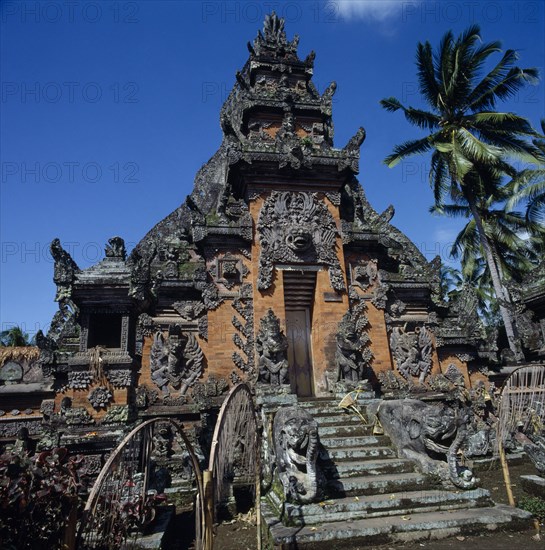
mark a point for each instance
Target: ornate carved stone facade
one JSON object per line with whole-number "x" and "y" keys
{"x": 297, "y": 228}
{"x": 275, "y": 270}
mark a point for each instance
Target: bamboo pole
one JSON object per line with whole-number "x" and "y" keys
{"x": 506, "y": 475}
{"x": 258, "y": 488}
{"x": 208, "y": 498}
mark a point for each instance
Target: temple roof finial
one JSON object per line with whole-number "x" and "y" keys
{"x": 273, "y": 38}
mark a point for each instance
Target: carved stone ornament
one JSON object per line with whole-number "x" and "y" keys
{"x": 12, "y": 429}
{"x": 272, "y": 349}
{"x": 120, "y": 378}
{"x": 79, "y": 380}
{"x": 116, "y": 413}
{"x": 421, "y": 431}
{"x": 64, "y": 271}
{"x": 144, "y": 327}
{"x": 455, "y": 375}
{"x": 47, "y": 408}
{"x": 116, "y": 249}
{"x": 244, "y": 337}
{"x": 412, "y": 352}
{"x": 390, "y": 382}
{"x": 11, "y": 373}
{"x": 229, "y": 271}
{"x": 79, "y": 415}
{"x": 296, "y": 228}
{"x": 145, "y": 397}
{"x": 365, "y": 274}
{"x": 176, "y": 361}
{"x": 92, "y": 464}
{"x": 380, "y": 295}
{"x": 100, "y": 397}
{"x": 350, "y": 362}
{"x": 140, "y": 273}
{"x": 529, "y": 330}
{"x": 163, "y": 439}
{"x": 296, "y": 444}
{"x": 213, "y": 387}
{"x": 189, "y": 310}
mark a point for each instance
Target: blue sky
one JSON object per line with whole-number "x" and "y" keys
{"x": 108, "y": 109}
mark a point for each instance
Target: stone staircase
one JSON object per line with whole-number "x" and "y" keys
{"x": 374, "y": 497}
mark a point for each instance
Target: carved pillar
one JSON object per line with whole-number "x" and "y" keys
{"x": 125, "y": 333}
{"x": 84, "y": 333}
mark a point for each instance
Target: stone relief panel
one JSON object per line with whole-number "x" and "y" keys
{"x": 364, "y": 274}
{"x": 175, "y": 361}
{"x": 297, "y": 228}
{"x": 244, "y": 338}
{"x": 272, "y": 350}
{"x": 412, "y": 352}
{"x": 352, "y": 356}
{"x": 120, "y": 378}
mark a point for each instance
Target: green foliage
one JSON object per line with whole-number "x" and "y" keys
{"x": 14, "y": 337}
{"x": 534, "y": 505}
{"x": 473, "y": 149}
{"x": 307, "y": 141}
{"x": 36, "y": 496}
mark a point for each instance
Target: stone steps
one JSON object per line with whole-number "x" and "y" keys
{"x": 429, "y": 525}
{"x": 374, "y": 497}
{"x": 355, "y": 468}
{"x": 376, "y": 484}
{"x": 356, "y": 453}
{"x": 404, "y": 503}
{"x": 341, "y": 419}
{"x": 342, "y": 430}
{"x": 332, "y": 442}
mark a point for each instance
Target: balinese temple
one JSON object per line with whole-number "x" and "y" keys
{"x": 277, "y": 231}
{"x": 275, "y": 271}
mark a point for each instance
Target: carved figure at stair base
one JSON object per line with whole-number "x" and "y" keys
{"x": 348, "y": 357}
{"x": 272, "y": 346}
{"x": 296, "y": 444}
{"x": 418, "y": 429}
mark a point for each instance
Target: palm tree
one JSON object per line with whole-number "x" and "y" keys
{"x": 529, "y": 187}
{"x": 14, "y": 337}
{"x": 471, "y": 145}
{"x": 475, "y": 276}
{"x": 512, "y": 238}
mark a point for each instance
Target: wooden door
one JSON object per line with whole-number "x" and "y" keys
{"x": 299, "y": 351}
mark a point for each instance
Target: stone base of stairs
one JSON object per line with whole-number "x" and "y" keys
{"x": 380, "y": 530}
{"x": 373, "y": 497}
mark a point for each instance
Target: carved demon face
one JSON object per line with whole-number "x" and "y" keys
{"x": 298, "y": 433}
{"x": 296, "y": 227}
{"x": 298, "y": 239}
{"x": 441, "y": 425}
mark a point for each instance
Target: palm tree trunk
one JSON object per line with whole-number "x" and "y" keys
{"x": 503, "y": 297}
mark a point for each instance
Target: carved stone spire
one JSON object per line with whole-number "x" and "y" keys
{"x": 272, "y": 41}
